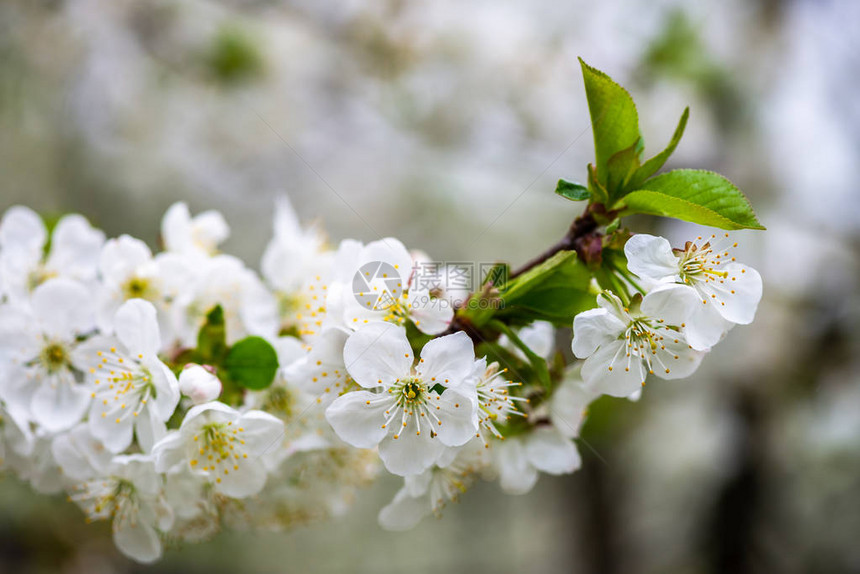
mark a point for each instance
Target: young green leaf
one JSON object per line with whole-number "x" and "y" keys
{"x": 697, "y": 196}
{"x": 651, "y": 166}
{"x": 252, "y": 363}
{"x": 211, "y": 339}
{"x": 621, "y": 167}
{"x": 614, "y": 119}
{"x": 572, "y": 191}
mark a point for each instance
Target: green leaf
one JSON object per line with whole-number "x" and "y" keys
{"x": 614, "y": 119}
{"x": 211, "y": 339}
{"x": 252, "y": 363}
{"x": 556, "y": 290}
{"x": 697, "y": 196}
{"x": 651, "y": 166}
{"x": 621, "y": 166}
{"x": 572, "y": 191}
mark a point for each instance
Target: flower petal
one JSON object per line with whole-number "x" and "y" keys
{"x": 404, "y": 512}
{"x": 549, "y": 451}
{"x": 458, "y": 414}
{"x": 651, "y": 257}
{"x": 672, "y": 303}
{"x": 377, "y": 355}
{"x": 594, "y": 328}
{"x": 356, "y": 422}
{"x": 63, "y": 307}
{"x": 447, "y": 360}
{"x": 137, "y": 540}
{"x": 409, "y": 453}
{"x": 516, "y": 474}
{"x": 136, "y": 326}
{"x": 606, "y": 371}
{"x": 75, "y": 247}
{"x": 737, "y": 299}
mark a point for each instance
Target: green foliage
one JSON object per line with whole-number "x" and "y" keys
{"x": 555, "y": 291}
{"x": 572, "y": 191}
{"x": 212, "y": 337}
{"x": 614, "y": 121}
{"x": 697, "y": 196}
{"x": 252, "y": 363}
{"x": 651, "y": 166}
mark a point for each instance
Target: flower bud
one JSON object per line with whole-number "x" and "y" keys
{"x": 199, "y": 383}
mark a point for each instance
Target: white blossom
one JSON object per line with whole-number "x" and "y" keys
{"x": 131, "y": 497}
{"x": 402, "y": 410}
{"x": 729, "y": 292}
{"x": 519, "y": 458}
{"x": 223, "y": 445}
{"x": 40, "y": 372}
{"x": 623, "y": 345}
{"x": 384, "y": 288}
{"x": 74, "y": 251}
{"x": 133, "y": 392}
{"x": 195, "y": 236}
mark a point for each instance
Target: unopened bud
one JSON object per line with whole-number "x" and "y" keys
{"x": 199, "y": 383}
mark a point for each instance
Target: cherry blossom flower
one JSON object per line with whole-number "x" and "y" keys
{"x": 133, "y": 392}
{"x": 428, "y": 493}
{"x": 384, "y": 288}
{"x": 131, "y": 497}
{"x": 74, "y": 251}
{"x": 519, "y": 458}
{"x": 623, "y": 345}
{"x": 411, "y": 412}
{"x": 223, "y": 445}
{"x": 129, "y": 271}
{"x": 40, "y": 372}
{"x": 729, "y": 292}
{"x": 195, "y": 236}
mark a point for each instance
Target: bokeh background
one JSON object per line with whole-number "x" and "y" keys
{"x": 447, "y": 124}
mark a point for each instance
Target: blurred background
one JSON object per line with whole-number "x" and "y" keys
{"x": 447, "y": 125}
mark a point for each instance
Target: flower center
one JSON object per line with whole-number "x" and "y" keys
{"x": 54, "y": 357}
{"x": 221, "y": 448}
{"x": 39, "y": 276}
{"x": 138, "y": 288}
{"x": 411, "y": 392}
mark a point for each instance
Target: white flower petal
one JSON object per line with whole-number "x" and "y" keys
{"x": 551, "y": 452}
{"x": 356, "y": 422}
{"x": 410, "y": 453}
{"x": 378, "y": 354}
{"x": 458, "y": 415}
{"x": 619, "y": 381}
{"x": 63, "y": 307}
{"x": 737, "y": 299}
{"x": 705, "y": 327}
{"x": 516, "y": 474}
{"x": 75, "y": 247}
{"x": 404, "y": 512}
{"x": 120, "y": 257}
{"x": 683, "y": 366}
{"x": 651, "y": 257}
{"x": 22, "y": 232}
{"x": 136, "y": 327}
{"x": 261, "y": 431}
{"x": 246, "y": 480}
{"x": 447, "y": 360}
{"x": 169, "y": 452}
{"x": 137, "y": 540}
{"x": 59, "y": 402}
{"x": 594, "y": 328}
{"x": 672, "y": 303}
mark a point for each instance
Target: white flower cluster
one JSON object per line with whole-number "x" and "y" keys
{"x": 96, "y": 397}
{"x": 694, "y": 297}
